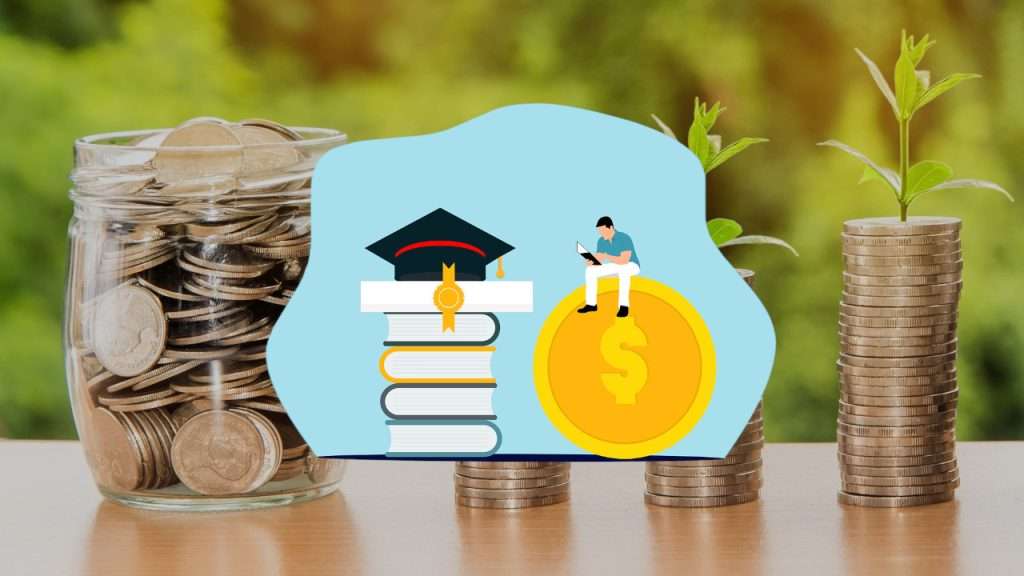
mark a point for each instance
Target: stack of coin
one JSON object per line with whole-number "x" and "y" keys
{"x": 488, "y": 484}
{"x": 734, "y": 479}
{"x": 897, "y": 362}
{"x": 181, "y": 264}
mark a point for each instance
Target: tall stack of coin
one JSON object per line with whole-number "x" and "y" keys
{"x": 734, "y": 479}
{"x": 897, "y": 362}
{"x": 488, "y": 484}
{"x": 186, "y": 246}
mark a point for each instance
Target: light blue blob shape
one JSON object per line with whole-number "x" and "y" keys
{"x": 537, "y": 176}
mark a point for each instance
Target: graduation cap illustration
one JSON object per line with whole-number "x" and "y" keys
{"x": 421, "y": 249}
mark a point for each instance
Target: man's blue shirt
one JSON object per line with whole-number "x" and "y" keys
{"x": 619, "y": 243}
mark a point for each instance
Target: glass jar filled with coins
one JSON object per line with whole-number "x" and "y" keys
{"x": 185, "y": 246}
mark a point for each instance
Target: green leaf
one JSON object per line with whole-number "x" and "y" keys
{"x": 664, "y": 128}
{"x": 906, "y": 84}
{"x": 880, "y": 81}
{"x": 697, "y": 141}
{"x": 968, "y": 184}
{"x": 732, "y": 150}
{"x": 926, "y": 174}
{"x": 870, "y": 175}
{"x": 918, "y": 50}
{"x": 723, "y": 230}
{"x": 888, "y": 176}
{"x": 941, "y": 87}
{"x": 756, "y": 239}
{"x": 711, "y": 116}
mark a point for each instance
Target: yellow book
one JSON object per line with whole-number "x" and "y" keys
{"x": 437, "y": 365}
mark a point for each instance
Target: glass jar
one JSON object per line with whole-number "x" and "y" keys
{"x": 185, "y": 245}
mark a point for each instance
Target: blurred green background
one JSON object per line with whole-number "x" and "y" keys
{"x": 785, "y": 69}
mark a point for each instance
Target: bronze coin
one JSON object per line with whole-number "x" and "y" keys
{"x": 923, "y": 240}
{"x": 944, "y": 310}
{"x": 113, "y": 452}
{"x": 709, "y": 471}
{"x": 707, "y": 502}
{"x": 509, "y": 503}
{"x": 703, "y": 491}
{"x": 894, "y": 501}
{"x": 870, "y": 490}
{"x": 895, "y": 431}
{"x": 517, "y": 493}
{"x": 220, "y": 452}
{"x": 939, "y": 478}
{"x": 512, "y": 474}
{"x": 936, "y": 359}
{"x": 900, "y": 472}
{"x": 698, "y": 481}
{"x": 900, "y": 280}
{"x": 505, "y": 465}
{"x": 949, "y": 320}
{"x": 896, "y": 401}
{"x": 896, "y": 461}
{"x": 913, "y": 226}
{"x": 522, "y": 483}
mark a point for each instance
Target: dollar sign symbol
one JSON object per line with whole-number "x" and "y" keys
{"x": 632, "y": 375}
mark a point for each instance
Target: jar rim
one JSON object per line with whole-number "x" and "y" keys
{"x": 321, "y": 136}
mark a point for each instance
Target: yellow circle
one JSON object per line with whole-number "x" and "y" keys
{"x": 448, "y": 297}
{"x": 625, "y": 387}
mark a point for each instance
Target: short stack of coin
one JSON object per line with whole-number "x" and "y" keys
{"x": 734, "y": 479}
{"x": 176, "y": 280}
{"x": 489, "y": 484}
{"x": 897, "y": 362}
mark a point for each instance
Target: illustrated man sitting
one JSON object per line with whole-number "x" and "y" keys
{"x": 618, "y": 257}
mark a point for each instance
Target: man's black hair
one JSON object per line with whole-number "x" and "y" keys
{"x": 605, "y": 221}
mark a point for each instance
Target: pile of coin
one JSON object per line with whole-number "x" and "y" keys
{"x": 734, "y": 479}
{"x": 181, "y": 263}
{"x": 897, "y": 362}
{"x": 489, "y": 484}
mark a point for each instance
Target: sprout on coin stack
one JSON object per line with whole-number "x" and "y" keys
{"x": 185, "y": 246}
{"x": 898, "y": 317}
{"x": 736, "y": 478}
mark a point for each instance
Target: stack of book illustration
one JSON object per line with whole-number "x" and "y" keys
{"x": 439, "y": 400}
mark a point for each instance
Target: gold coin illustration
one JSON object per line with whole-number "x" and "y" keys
{"x": 625, "y": 387}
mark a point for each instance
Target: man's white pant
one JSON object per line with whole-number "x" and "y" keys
{"x": 623, "y": 271}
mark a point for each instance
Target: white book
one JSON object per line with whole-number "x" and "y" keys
{"x": 425, "y": 328}
{"x": 438, "y": 401}
{"x": 418, "y": 438}
{"x": 485, "y": 296}
{"x": 438, "y": 364}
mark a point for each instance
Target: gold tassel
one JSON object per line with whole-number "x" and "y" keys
{"x": 501, "y": 271}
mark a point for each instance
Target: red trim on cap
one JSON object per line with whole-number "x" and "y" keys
{"x": 439, "y": 244}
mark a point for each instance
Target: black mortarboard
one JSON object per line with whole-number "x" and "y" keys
{"x": 419, "y": 249}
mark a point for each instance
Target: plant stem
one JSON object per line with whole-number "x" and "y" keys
{"x": 904, "y": 165}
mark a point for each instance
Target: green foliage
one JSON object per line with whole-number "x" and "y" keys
{"x": 705, "y": 147}
{"x": 913, "y": 92}
{"x": 723, "y": 231}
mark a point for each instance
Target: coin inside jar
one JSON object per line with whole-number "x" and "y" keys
{"x": 219, "y": 452}
{"x": 129, "y": 331}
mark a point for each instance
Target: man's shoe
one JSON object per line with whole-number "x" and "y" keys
{"x": 623, "y": 311}
{"x": 587, "y": 308}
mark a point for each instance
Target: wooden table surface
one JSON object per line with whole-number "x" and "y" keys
{"x": 399, "y": 518}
